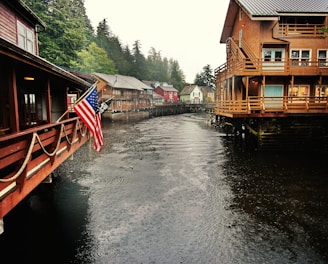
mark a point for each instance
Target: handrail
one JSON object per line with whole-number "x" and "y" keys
{"x": 297, "y": 30}
{"x": 269, "y": 104}
{"x": 45, "y": 137}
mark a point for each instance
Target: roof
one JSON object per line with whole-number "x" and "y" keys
{"x": 207, "y": 89}
{"x": 157, "y": 96}
{"x": 13, "y": 51}
{"x": 271, "y": 9}
{"x": 188, "y": 89}
{"x": 276, "y": 7}
{"x": 168, "y": 88}
{"x": 123, "y": 82}
{"x": 21, "y": 8}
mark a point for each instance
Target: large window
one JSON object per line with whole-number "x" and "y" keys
{"x": 299, "y": 91}
{"x": 323, "y": 58}
{"x": 300, "y": 57}
{"x": 25, "y": 37}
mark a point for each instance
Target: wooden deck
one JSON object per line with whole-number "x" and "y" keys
{"x": 270, "y": 106}
{"x": 29, "y": 157}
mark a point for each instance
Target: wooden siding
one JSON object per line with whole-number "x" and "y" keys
{"x": 7, "y": 24}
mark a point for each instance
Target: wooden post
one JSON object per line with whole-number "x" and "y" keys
{"x": 48, "y": 102}
{"x": 13, "y": 98}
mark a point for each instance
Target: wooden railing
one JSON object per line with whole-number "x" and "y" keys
{"x": 298, "y": 30}
{"x": 278, "y": 68}
{"x": 28, "y": 157}
{"x": 285, "y": 104}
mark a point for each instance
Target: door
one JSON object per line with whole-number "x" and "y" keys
{"x": 273, "y": 96}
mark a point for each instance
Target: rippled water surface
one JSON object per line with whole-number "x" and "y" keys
{"x": 174, "y": 190}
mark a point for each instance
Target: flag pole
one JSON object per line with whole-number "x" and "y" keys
{"x": 78, "y": 100}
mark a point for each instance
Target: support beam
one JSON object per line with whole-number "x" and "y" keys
{"x": 1, "y": 226}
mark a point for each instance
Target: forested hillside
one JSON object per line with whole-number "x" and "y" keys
{"x": 70, "y": 41}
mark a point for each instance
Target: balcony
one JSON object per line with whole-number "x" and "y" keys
{"x": 243, "y": 67}
{"x": 262, "y": 106}
{"x": 297, "y": 30}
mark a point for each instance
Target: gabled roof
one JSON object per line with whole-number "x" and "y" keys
{"x": 271, "y": 10}
{"x": 167, "y": 88}
{"x": 188, "y": 89}
{"x": 276, "y": 7}
{"x": 207, "y": 89}
{"x": 122, "y": 81}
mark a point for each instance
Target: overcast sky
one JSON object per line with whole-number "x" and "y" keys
{"x": 187, "y": 31}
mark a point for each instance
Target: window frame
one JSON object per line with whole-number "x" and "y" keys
{"x": 322, "y": 62}
{"x": 300, "y": 60}
{"x": 25, "y": 37}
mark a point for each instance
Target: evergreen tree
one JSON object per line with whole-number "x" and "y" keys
{"x": 177, "y": 77}
{"x": 140, "y": 68}
{"x": 158, "y": 67}
{"x": 68, "y": 29}
{"x": 109, "y": 42}
{"x": 205, "y": 78}
{"x": 127, "y": 66}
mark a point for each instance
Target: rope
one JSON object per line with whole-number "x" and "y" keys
{"x": 70, "y": 142}
{"x": 57, "y": 146}
{"x": 28, "y": 155}
{"x": 30, "y": 149}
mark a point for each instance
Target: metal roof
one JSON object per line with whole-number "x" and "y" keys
{"x": 277, "y": 7}
{"x": 123, "y": 82}
{"x": 167, "y": 88}
{"x": 188, "y": 89}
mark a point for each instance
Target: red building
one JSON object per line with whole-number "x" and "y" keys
{"x": 169, "y": 93}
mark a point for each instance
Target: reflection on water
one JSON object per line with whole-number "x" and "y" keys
{"x": 174, "y": 190}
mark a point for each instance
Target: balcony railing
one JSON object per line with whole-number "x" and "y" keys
{"x": 28, "y": 157}
{"x": 263, "y": 105}
{"x": 298, "y": 30}
{"x": 278, "y": 68}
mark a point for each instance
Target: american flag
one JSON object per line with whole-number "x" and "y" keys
{"x": 87, "y": 110}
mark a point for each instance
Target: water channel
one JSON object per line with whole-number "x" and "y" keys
{"x": 173, "y": 189}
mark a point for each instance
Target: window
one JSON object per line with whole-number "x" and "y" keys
{"x": 25, "y": 37}
{"x": 321, "y": 91}
{"x": 300, "y": 57}
{"x": 71, "y": 99}
{"x": 30, "y": 109}
{"x": 299, "y": 91}
{"x": 323, "y": 58}
{"x": 273, "y": 54}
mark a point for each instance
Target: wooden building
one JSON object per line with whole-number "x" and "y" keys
{"x": 274, "y": 83}
{"x": 170, "y": 94}
{"x": 37, "y": 132}
{"x": 127, "y": 93}
{"x": 192, "y": 94}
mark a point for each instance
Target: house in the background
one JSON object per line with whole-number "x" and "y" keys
{"x": 208, "y": 94}
{"x": 126, "y": 93}
{"x": 169, "y": 93}
{"x": 277, "y": 67}
{"x": 191, "y": 94}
